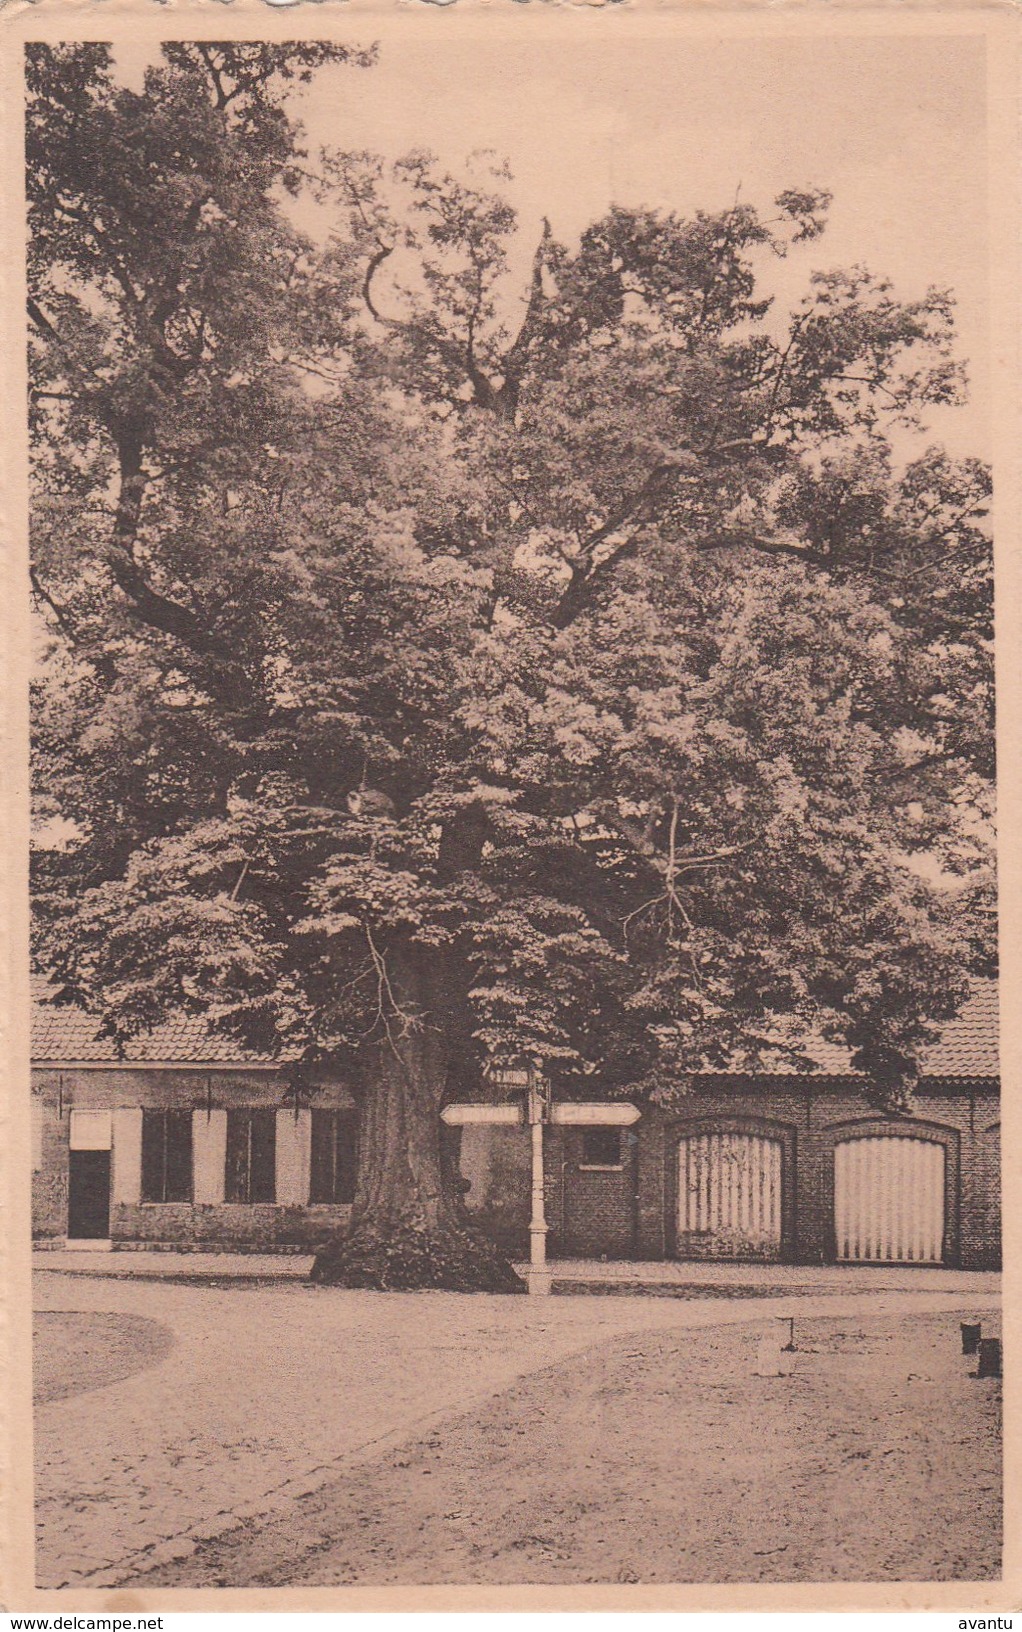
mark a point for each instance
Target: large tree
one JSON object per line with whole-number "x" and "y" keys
{"x": 441, "y": 674}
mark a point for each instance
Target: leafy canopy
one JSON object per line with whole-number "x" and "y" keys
{"x": 569, "y": 670}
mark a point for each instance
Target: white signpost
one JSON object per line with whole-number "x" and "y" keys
{"x": 538, "y": 1111}
{"x": 594, "y": 1116}
{"x": 466, "y": 1116}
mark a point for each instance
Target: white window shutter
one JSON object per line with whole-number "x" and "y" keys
{"x": 91, "y": 1130}
{"x": 127, "y": 1174}
{"x": 209, "y": 1154}
{"x": 294, "y": 1153}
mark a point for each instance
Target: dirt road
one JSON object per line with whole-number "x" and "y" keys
{"x": 661, "y": 1457}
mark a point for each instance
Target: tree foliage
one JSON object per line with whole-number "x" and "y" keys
{"x": 452, "y": 672}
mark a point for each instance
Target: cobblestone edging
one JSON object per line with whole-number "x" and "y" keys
{"x": 277, "y": 1501}
{"x": 233, "y": 1249}
{"x": 132, "y": 1567}
{"x": 570, "y": 1274}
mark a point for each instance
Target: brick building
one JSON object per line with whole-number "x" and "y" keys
{"x": 188, "y": 1142}
{"x": 784, "y": 1168}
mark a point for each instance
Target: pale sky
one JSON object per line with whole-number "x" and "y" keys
{"x": 893, "y": 126}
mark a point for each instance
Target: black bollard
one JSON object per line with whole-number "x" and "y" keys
{"x": 971, "y": 1330}
{"x": 989, "y": 1357}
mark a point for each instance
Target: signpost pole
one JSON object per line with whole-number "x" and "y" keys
{"x": 540, "y": 1111}
{"x": 539, "y": 1275}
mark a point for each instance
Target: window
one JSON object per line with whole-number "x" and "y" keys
{"x": 601, "y": 1147}
{"x": 166, "y": 1155}
{"x": 251, "y": 1156}
{"x": 334, "y": 1156}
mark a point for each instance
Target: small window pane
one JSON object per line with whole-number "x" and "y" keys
{"x": 250, "y": 1170}
{"x": 334, "y": 1157}
{"x": 236, "y": 1174}
{"x": 179, "y": 1156}
{"x": 601, "y": 1147}
{"x": 321, "y": 1186}
{"x": 263, "y": 1182}
{"x": 347, "y": 1156}
{"x": 153, "y": 1155}
{"x": 166, "y": 1155}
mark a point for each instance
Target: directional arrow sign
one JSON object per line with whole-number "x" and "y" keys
{"x": 595, "y": 1116}
{"x": 461, "y": 1116}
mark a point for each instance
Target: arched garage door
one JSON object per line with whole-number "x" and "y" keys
{"x": 729, "y": 1196}
{"x": 889, "y": 1199}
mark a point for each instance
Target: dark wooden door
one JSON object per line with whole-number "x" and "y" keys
{"x": 88, "y": 1195}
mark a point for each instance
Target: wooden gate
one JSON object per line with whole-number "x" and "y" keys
{"x": 889, "y": 1199}
{"x": 729, "y": 1196}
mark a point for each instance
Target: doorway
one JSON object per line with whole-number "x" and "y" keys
{"x": 88, "y": 1195}
{"x": 730, "y": 1190}
{"x": 889, "y": 1200}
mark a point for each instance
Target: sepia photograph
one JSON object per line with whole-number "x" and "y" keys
{"x": 514, "y": 1044}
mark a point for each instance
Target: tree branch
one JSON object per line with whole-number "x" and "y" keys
{"x": 445, "y": 348}
{"x": 45, "y": 327}
{"x": 782, "y": 365}
{"x": 102, "y": 251}
{"x": 515, "y": 357}
{"x": 502, "y": 399}
{"x": 584, "y": 583}
{"x": 586, "y": 577}
{"x": 101, "y": 661}
{"x": 630, "y": 507}
{"x": 240, "y": 881}
{"x": 900, "y": 773}
{"x": 158, "y": 611}
{"x": 41, "y": 321}
{"x": 482, "y": 389}
{"x": 375, "y": 262}
{"x": 767, "y": 546}
{"x": 63, "y": 620}
{"x": 223, "y": 97}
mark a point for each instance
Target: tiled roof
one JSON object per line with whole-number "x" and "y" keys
{"x": 62, "y": 1034}
{"x": 968, "y": 1046}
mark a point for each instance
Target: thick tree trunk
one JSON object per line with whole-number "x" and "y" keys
{"x": 408, "y": 1228}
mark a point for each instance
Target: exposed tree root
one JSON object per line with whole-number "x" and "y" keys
{"x": 392, "y": 1256}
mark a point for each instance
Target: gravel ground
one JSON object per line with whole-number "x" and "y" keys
{"x": 74, "y": 1353}
{"x": 660, "y": 1457}
{"x": 269, "y": 1391}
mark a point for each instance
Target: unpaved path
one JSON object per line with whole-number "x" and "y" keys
{"x": 256, "y": 1391}
{"x": 663, "y": 1458}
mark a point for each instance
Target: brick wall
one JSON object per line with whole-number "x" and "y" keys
{"x": 496, "y": 1165}
{"x": 809, "y": 1124}
{"x": 631, "y": 1212}
{"x": 57, "y": 1093}
{"x": 592, "y": 1212}
{"x": 49, "y": 1178}
{"x": 981, "y": 1189}
{"x": 261, "y": 1225}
